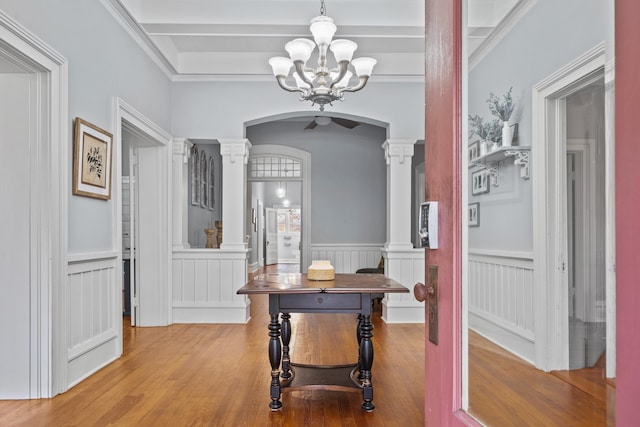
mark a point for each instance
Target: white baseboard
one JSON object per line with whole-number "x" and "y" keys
{"x": 518, "y": 344}
{"x": 219, "y": 313}
{"x": 402, "y": 313}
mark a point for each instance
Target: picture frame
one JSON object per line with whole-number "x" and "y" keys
{"x": 92, "y": 157}
{"x": 474, "y": 214}
{"x": 474, "y": 151}
{"x": 480, "y": 182}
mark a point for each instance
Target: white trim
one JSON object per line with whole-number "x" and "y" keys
{"x": 124, "y": 115}
{"x": 610, "y": 225}
{"x": 548, "y": 162}
{"x": 502, "y": 253}
{"x": 124, "y": 18}
{"x": 305, "y": 157}
{"x": 503, "y": 28}
{"x": 91, "y": 256}
{"x": 263, "y": 78}
{"x": 49, "y": 336}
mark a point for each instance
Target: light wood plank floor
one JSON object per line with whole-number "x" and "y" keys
{"x": 219, "y": 375}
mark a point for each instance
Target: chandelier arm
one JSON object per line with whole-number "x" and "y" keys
{"x": 343, "y": 65}
{"x": 281, "y": 81}
{"x": 362, "y": 83}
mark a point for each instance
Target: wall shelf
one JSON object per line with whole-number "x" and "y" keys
{"x": 492, "y": 159}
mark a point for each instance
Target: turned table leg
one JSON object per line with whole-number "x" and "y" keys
{"x": 286, "y": 338}
{"x": 366, "y": 362}
{"x": 275, "y": 354}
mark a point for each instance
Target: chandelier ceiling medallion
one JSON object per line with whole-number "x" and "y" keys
{"x": 321, "y": 85}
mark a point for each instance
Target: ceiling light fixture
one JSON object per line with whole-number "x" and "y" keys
{"x": 323, "y": 85}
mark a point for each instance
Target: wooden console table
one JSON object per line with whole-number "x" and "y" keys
{"x": 295, "y": 293}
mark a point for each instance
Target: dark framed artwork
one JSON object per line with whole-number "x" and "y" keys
{"x": 480, "y": 182}
{"x": 91, "y": 160}
{"x": 474, "y": 214}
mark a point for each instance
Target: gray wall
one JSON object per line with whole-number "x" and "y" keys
{"x": 348, "y": 178}
{"x": 104, "y": 62}
{"x": 528, "y": 54}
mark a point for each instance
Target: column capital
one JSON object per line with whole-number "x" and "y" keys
{"x": 399, "y": 148}
{"x": 181, "y": 147}
{"x": 234, "y": 148}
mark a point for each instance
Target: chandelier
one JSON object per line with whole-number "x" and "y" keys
{"x": 321, "y": 85}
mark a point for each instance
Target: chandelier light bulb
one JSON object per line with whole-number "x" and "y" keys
{"x": 280, "y": 192}
{"x": 286, "y": 203}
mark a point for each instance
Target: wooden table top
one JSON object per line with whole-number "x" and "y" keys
{"x": 288, "y": 283}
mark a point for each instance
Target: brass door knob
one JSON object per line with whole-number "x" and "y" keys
{"x": 420, "y": 291}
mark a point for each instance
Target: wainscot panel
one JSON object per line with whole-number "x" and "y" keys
{"x": 348, "y": 258}
{"x": 93, "y": 313}
{"x": 501, "y": 299}
{"x": 204, "y": 286}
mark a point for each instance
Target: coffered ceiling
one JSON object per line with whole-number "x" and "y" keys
{"x": 227, "y": 38}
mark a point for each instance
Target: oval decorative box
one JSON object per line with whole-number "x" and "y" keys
{"x": 321, "y": 270}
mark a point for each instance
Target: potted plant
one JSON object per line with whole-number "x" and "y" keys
{"x": 488, "y": 132}
{"x": 502, "y": 108}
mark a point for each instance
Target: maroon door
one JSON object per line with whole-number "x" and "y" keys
{"x": 443, "y": 171}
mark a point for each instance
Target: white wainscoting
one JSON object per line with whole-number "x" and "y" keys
{"x": 347, "y": 258}
{"x": 501, "y": 299}
{"x": 204, "y": 286}
{"x": 407, "y": 268}
{"x": 94, "y": 304}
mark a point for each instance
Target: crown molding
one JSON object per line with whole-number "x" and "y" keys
{"x": 261, "y": 78}
{"x": 124, "y": 18}
{"x": 500, "y": 32}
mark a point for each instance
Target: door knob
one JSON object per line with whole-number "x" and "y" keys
{"x": 420, "y": 292}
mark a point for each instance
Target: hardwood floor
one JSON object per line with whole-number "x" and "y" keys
{"x": 219, "y": 375}
{"x": 506, "y": 391}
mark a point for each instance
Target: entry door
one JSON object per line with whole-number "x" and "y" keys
{"x": 272, "y": 236}
{"x": 443, "y": 171}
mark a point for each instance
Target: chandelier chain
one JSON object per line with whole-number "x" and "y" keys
{"x": 323, "y": 8}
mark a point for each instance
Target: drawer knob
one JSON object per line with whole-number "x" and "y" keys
{"x": 320, "y": 300}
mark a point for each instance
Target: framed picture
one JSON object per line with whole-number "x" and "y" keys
{"x": 91, "y": 161}
{"x": 474, "y": 150}
{"x": 474, "y": 214}
{"x": 480, "y": 182}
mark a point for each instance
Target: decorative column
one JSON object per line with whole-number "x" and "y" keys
{"x": 235, "y": 155}
{"x": 180, "y": 202}
{"x": 398, "y": 154}
{"x": 403, "y": 262}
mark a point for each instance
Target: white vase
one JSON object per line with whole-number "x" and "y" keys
{"x": 507, "y": 134}
{"x": 484, "y": 147}
{"x": 494, "y": 146}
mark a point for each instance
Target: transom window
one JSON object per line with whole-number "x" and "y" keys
{"x": 274, "y": 167}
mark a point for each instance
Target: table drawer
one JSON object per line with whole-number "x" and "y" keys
{"x": 320, "y": 302}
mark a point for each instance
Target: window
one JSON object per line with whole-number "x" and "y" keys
{"x": 211, "y": 183}
{"x": 274, "y": 167}
{"x": 289, "y": 221}
{"x": 195, "y": 176}
{"x": 204, "y": 182}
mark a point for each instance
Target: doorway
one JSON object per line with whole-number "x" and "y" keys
{"x": 150, "y": 255}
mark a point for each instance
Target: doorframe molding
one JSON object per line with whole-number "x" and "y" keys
{"x": 124, "y": 115}
{"x": 49, "y": 300}
{"x": 549, "y": 209}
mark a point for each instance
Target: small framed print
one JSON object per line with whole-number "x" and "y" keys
{"x": 474, "y": 150}
{"x": 480, "y": 182}
{"x": 91, "y": 161}
{"x": 474, "y": 214}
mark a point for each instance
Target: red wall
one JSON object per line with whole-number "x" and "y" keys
{"x": 627, "y": 87}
